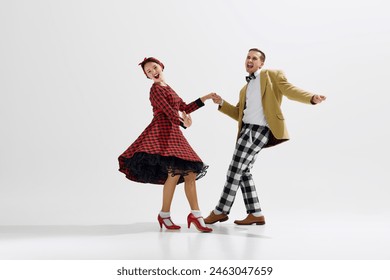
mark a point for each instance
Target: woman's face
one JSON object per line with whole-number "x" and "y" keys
{"x": 154, "y": 71}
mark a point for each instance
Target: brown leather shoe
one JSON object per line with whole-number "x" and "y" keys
{"x": 250, "y": 219}
{"x": 213, "y": 218}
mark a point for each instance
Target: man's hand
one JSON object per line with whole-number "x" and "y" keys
{"x": 208, "y": 96}
{"x": 316, "y": 99}
{"x": 217, "y": 99}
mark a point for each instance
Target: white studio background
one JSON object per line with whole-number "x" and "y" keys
{"x": 73, "y": 98}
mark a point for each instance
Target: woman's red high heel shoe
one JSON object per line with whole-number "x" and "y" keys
{"x": 162, "y": 222}
{"x": 192, "y": 219}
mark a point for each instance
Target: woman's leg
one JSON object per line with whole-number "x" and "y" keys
{"x": 195, "y": 216}
{"x": 190, "y": 190}
{"x": 168, "y": 191}
{"x": 164, "y": 217}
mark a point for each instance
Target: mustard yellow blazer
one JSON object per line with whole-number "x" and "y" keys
{"x": 273, "y": 85}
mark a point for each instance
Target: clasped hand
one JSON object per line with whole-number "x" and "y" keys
{"x": 187, "y": 121}
{"x": 215, "y": 97}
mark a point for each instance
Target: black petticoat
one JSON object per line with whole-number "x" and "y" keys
{"x": 154, "y": 169}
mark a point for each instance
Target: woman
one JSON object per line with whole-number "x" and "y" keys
{"x": 161, "y": 154}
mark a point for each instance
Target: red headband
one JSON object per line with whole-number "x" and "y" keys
{"x": 150, "y": 59}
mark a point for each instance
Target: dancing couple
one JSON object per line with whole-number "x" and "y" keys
{"x": 162, "y": 155}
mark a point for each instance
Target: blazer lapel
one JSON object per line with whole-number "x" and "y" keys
{"x": 243, "y": 96}
{"x": 263, "y": 82}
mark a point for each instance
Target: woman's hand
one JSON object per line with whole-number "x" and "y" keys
{"x": 217, "y": 99}
{"x": 208, "y": 96}
{"x": 186, "y": 119}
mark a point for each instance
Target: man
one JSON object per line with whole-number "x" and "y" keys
{"x": 260, "y": 125}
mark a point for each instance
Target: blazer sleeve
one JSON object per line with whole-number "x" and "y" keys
{"x": 158, "y": 100}
{"x": 230, "y": 110}
{"x": 193, "y": 106}
{"x": 292, "y": 92}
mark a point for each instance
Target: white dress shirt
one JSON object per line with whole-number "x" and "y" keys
{"x": 253, "y": 112}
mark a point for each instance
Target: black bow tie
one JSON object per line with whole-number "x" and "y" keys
{"x": 250, "y": 77}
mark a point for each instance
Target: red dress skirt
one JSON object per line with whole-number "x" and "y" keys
{"x": 162, "y": 149}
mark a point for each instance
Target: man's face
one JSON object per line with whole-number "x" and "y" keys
{"x": 253, "y": 62}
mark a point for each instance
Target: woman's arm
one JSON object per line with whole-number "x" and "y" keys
{"x": 195, "y": 105}
{"x": 158, "y": 100}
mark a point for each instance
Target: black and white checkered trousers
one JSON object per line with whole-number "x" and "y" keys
{"x": 251, "y": 140}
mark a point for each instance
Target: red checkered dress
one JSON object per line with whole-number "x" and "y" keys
{"x": 161, "y": 149}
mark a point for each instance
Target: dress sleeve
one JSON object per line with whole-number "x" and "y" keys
{"x": 158, "y": 100}
{"x": 193, "y": 106}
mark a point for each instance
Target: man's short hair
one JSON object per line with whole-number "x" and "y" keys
{"x": 262, "y": 56}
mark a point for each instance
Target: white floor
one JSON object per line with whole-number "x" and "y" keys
{"x": 322, "y": 239}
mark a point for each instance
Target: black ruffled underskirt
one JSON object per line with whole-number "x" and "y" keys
{"x": 154, "y": 169}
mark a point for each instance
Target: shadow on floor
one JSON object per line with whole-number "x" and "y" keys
{"x": 41, "y": 231}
